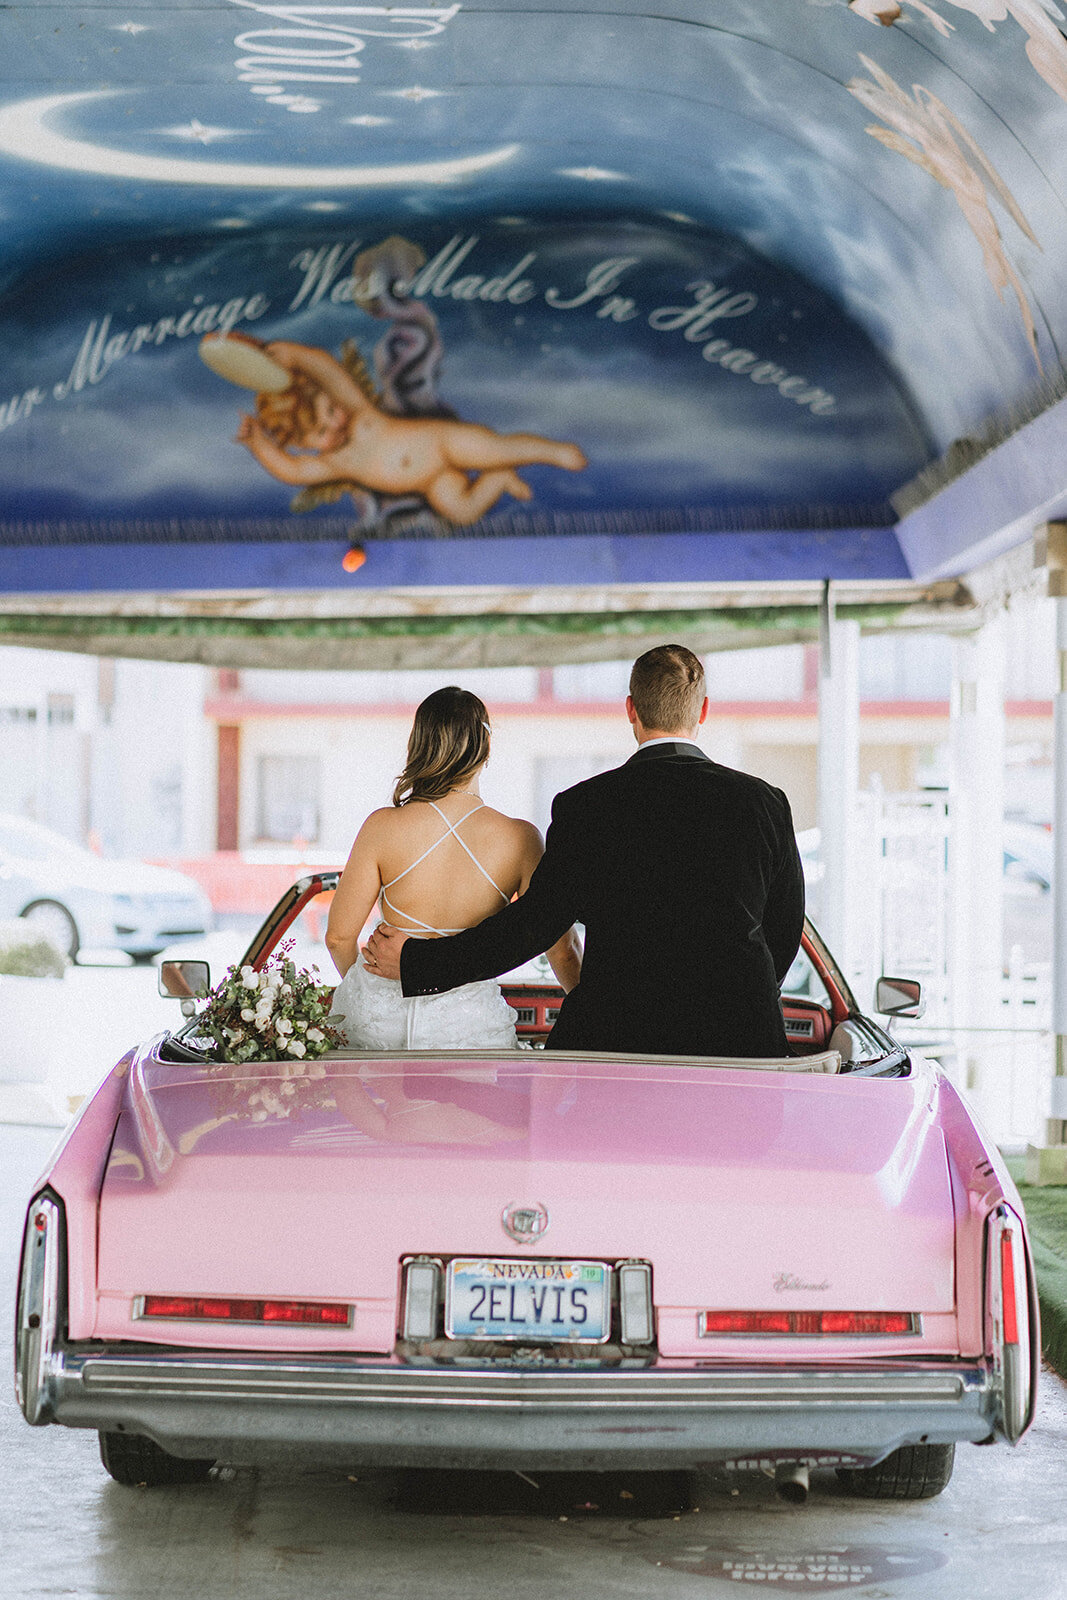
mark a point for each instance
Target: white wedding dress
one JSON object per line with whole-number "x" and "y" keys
{"x": 377, "y": 1016}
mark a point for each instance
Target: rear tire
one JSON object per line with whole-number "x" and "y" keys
{"x": 914, "y": 1472}
{"x": 133, "y": 1461}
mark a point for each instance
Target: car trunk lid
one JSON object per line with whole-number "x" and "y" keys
{"x": 744, "y": 1189}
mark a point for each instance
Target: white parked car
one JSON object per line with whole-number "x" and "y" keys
{"x": 84, "y": 901}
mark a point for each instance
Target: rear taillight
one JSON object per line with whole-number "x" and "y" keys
{"x": 807, "y": 1322}
{"x": 203, "y": 1308}
{"x": 1010, "y": 1314}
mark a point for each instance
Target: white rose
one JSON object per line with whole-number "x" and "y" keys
{"x": 248, "y": 1015}
{"x": 296, "y": 1047}
{"x": 283, "y": 1025}
{"x": 287, "y": 988}
{"x": 250, "y": 977}
{"x": 316, "y": 1035}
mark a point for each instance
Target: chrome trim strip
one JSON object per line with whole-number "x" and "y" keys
{"x": 327, "y": 1378}
{"x": 37, "y": 1313}
{"x": 1013, "y": 1364}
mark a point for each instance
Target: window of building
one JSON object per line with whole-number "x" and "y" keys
{"x": 288, "y": 798}
{"x": 61, "y": 710}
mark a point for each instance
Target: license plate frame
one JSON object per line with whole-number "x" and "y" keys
{"x": 471, "y": 1272}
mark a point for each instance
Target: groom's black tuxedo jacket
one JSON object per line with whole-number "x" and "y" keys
{"x": 687, "y": 877}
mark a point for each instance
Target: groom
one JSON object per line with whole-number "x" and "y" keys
{"x": 686, "y": 876}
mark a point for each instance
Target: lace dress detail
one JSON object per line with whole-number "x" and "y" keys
{"x": 377, "y": 1016}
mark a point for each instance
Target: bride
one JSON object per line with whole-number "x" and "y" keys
{"x": 437, "y": 861}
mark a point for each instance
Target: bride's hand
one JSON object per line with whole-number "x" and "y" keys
{"x": 381, "y": 953}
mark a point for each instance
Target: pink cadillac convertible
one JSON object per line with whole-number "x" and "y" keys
{"x": 530, "y": 1259}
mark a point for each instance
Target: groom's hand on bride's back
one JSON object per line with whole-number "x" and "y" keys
{"x": 381, "y": 953}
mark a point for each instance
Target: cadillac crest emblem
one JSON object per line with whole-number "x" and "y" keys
{"x": 524, "y": 1224}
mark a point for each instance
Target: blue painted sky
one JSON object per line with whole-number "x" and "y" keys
{"x": 893, "y": 199}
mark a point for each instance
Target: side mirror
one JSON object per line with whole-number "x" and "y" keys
{"x": 899, "y": 997}
{"x": 184, "y": 980}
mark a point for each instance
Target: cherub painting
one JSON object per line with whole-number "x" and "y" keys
{"x": 921, "y": 128}
{"x": 326, "y": 428}
{"x": 1045, "y": 44}
{"x": 324, "y": 424}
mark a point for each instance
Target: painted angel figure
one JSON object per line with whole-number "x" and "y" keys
{"x": 1045, "y": 44}
{"x": 921, "y": 128}
{"x": 326, "y": 426}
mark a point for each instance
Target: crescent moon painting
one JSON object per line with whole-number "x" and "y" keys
{"x": 26, "y": 131}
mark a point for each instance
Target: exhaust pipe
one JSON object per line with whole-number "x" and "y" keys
{"x": 791, "y": 1481}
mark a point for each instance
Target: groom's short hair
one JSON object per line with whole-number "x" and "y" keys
{"x": 667, "y": 688}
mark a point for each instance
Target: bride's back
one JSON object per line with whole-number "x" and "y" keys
{"x": 430, "y": 881}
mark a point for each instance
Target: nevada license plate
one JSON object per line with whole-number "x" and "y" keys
{"x": 528, "y": 1301}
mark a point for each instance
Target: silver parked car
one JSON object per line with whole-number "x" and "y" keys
{"x": 84, "y": 901}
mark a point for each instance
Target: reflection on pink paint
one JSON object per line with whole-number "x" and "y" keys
{"x": 926, "y": 132}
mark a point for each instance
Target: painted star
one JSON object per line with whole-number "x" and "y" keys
{"x": 593, "y": 174}
{"x": 416, "y": 94}
{"x": 194, "y": 130}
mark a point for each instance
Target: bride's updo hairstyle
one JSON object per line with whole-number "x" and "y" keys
{"x": 449, "y": 741}
{"x": 667, "y": 688}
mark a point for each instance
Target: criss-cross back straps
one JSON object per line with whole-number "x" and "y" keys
{"x": 451, "y": 832}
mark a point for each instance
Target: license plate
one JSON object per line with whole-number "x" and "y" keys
{"x": 528, "y": 1301}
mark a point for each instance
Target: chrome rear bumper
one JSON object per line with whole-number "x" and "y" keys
{"x": 246, "y": 1409}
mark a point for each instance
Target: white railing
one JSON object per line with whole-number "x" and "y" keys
{"x": 1005, "y": 1064}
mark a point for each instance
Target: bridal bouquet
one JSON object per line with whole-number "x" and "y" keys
{"x": 277, "y": 1015}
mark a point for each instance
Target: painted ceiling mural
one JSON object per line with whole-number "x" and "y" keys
{"x": 304, "y": 273}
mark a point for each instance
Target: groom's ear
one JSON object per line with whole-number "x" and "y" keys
{"x": 703, "y": 711}
{"x": 631, "y": 710}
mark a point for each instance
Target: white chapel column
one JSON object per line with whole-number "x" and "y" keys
{"x": 976, "y": 962}
{"x": 838, "y": 782}
{"x": 1048, "y": 1163}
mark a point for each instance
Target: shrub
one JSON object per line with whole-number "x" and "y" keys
{"x": 26, "y": 952}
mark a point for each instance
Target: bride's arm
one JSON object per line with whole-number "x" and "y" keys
{"x": 356, "y": 893}
{"x": 565, "y": 959}
{"x": 565, "y": 956}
